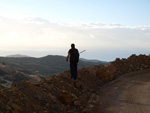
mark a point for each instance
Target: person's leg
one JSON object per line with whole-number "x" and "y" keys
{"x": 71, "y": 69}
{"x": 75, "y": 70}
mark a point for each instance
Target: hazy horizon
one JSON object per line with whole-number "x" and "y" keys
{"x": 106, "y": 29}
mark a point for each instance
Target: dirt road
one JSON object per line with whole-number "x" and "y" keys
{"x": 128, "y": 94}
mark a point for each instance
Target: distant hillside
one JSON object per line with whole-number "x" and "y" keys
{"x": 17, "y": 56}
{"x": 47, "y": 65}
{"x": 93, "y": 61}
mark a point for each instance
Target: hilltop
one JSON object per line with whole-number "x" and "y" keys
{"x": 17, "y": 56}
{"x": 60, "y": 94}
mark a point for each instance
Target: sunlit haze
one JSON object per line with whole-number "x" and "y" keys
{"x": 106, "y": 29}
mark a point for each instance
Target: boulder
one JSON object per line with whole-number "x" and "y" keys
{"x": 66, "y": 97}
{"x": 105, "y": 74}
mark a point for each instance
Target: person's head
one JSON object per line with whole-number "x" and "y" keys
{"x": 72, "y": 45}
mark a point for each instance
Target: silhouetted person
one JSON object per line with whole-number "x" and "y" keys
{"x": 73, "y": 54}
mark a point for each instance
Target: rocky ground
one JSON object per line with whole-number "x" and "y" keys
{"x": 60, "y": 94}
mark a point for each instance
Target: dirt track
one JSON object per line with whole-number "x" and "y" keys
{"x": 128, "y": 94}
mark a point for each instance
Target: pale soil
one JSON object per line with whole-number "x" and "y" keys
{"x": 128, "y": 94}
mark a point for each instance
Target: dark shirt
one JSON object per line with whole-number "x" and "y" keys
{"x": 72, "y": 51}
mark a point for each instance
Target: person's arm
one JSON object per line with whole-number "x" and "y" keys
{"x": 68, "y": 57}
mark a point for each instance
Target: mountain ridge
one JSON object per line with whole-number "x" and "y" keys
{"x": 47, "y": 65}
{"x": 17, "y": 56}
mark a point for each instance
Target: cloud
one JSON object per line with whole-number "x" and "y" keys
{"x": 34, "y": 33}
{"x": 36, "y": 20}
{"x": 91, "y": 25}
{"x": 92, "y": 36}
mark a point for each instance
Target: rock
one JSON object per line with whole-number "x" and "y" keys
{"x": 86, "y": 111}
{"x": 47, "y": 105}
{"x": 76, "y": 103}
{"x": 66, "y": 98}
{"x": 52, "y": 96}
{"x": 105, "y": 74}
{"x": 74, "y": 97}
{"x": 16, "y": 108}
{"x": 78, "y": 85}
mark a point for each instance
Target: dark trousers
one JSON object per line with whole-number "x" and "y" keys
{"x": 73, "y": 69}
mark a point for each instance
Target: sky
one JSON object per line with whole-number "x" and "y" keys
{"x": 106, "y": 29}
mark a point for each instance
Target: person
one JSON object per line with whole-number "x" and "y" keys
{"x": 73, "y": 56}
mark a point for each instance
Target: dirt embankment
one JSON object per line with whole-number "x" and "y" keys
{"x": 60, "y": 94}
